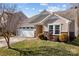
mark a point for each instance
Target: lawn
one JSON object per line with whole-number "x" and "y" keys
{"x": 41, "y": 48}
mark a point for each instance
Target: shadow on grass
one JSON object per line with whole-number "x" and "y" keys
{"x": 43, "y": 51}
{"x": 75, "y": 42}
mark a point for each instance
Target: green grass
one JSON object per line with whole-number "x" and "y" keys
{"x": 40, "y": 48}
{"x": 75, "y": 42}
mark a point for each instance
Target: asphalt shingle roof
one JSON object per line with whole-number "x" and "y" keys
{"x": 39, "y": 17}
{"x": 51, "y": 19}
{"x": 68, "y": 14}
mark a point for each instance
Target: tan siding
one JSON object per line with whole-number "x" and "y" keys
{"x": 72, "y": 26}
{"x": 59, "y": 21}
{"x": 45, "y": 28}
{"x": 63, "y": 23}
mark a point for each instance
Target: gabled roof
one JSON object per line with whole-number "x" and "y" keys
{"x": 15, "y": 20}
{"x": 21, "y": 14}
{"x": 50, "y": 19}
{"x": 21, "y": 17}
{"x": 53, "y": 17}
{"x": 45, "y": 17}
{"x": 39, "y": 17}
{"x": 68, "y": 14}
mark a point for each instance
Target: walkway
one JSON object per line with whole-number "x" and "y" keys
{"x": 12, "y": 40}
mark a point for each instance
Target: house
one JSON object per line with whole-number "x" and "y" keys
{"x": 45, "y": 22}
{"x": 54, "y": 23}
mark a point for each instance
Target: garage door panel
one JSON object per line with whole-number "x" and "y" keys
{"x": 26, "y": 33}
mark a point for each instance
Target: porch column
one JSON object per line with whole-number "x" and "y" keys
{"x": 76, "y": 22}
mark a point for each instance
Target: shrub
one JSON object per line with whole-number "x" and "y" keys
{"x": 57, "y": 37}
{"x": 63, "y": 37}
{"x": 42, "y": 36}
{"x": 77, "y": 37}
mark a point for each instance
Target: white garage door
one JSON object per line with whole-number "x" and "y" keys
{"x": 23, "y": 32}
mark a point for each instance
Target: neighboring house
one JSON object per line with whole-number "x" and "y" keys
{"x": 55, "y": 23}
{"x": 14, "y": 20}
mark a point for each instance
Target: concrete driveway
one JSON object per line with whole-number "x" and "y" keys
{"x": 12, "y": 40}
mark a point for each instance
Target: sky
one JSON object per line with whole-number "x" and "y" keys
{"x": 30, "y": 9}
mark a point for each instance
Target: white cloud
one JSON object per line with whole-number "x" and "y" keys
{"x": 44, "y": 4}
{"x": 40, "y": 10}
{"x": 54, "y": 8}
{"x": 33, "y": 8}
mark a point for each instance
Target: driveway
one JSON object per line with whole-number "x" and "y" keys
{"x": 12, "y": 40}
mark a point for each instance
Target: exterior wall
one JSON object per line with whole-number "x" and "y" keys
{"x": 72, "y": 26}
{"x": 72, "y": 30}
{"x": 66, "y": 28}
{"x": 76, "y": 22}
{"x": 71, "y": 36}
{"x": 45, "y": 28}
{"x": 64, "y": 25}
{"x": 58, "y": 37}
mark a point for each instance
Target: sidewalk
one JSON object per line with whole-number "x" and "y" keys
{"x": 12, "y": 40}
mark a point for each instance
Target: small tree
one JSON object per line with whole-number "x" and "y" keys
{"x": 7, "y": 12}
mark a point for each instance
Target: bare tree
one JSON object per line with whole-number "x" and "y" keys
{"x": 6, "y": 13}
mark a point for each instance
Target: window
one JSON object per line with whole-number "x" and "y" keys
{"x": 23, "y": 27}
{"x": 27, "y": 27}
{"x": 54, "y": 29}
{"x": 57, "y": 29}
{"x": 32, "y": 27}
{"x": 51, "y": 29}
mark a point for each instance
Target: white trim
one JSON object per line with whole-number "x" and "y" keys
{"x": 53, "y": 24}
{"x": 67, "y": 20}
{"x": 44, "y": 18}
{"x": 63, "y": 18}
{"x": 54, "y": 28}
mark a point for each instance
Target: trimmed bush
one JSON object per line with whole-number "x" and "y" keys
{"x": 42, "y": 36}
{"x": 63, "y": 37}
{"x": 77, "y": 37}
{"x": 57, "y": 38}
